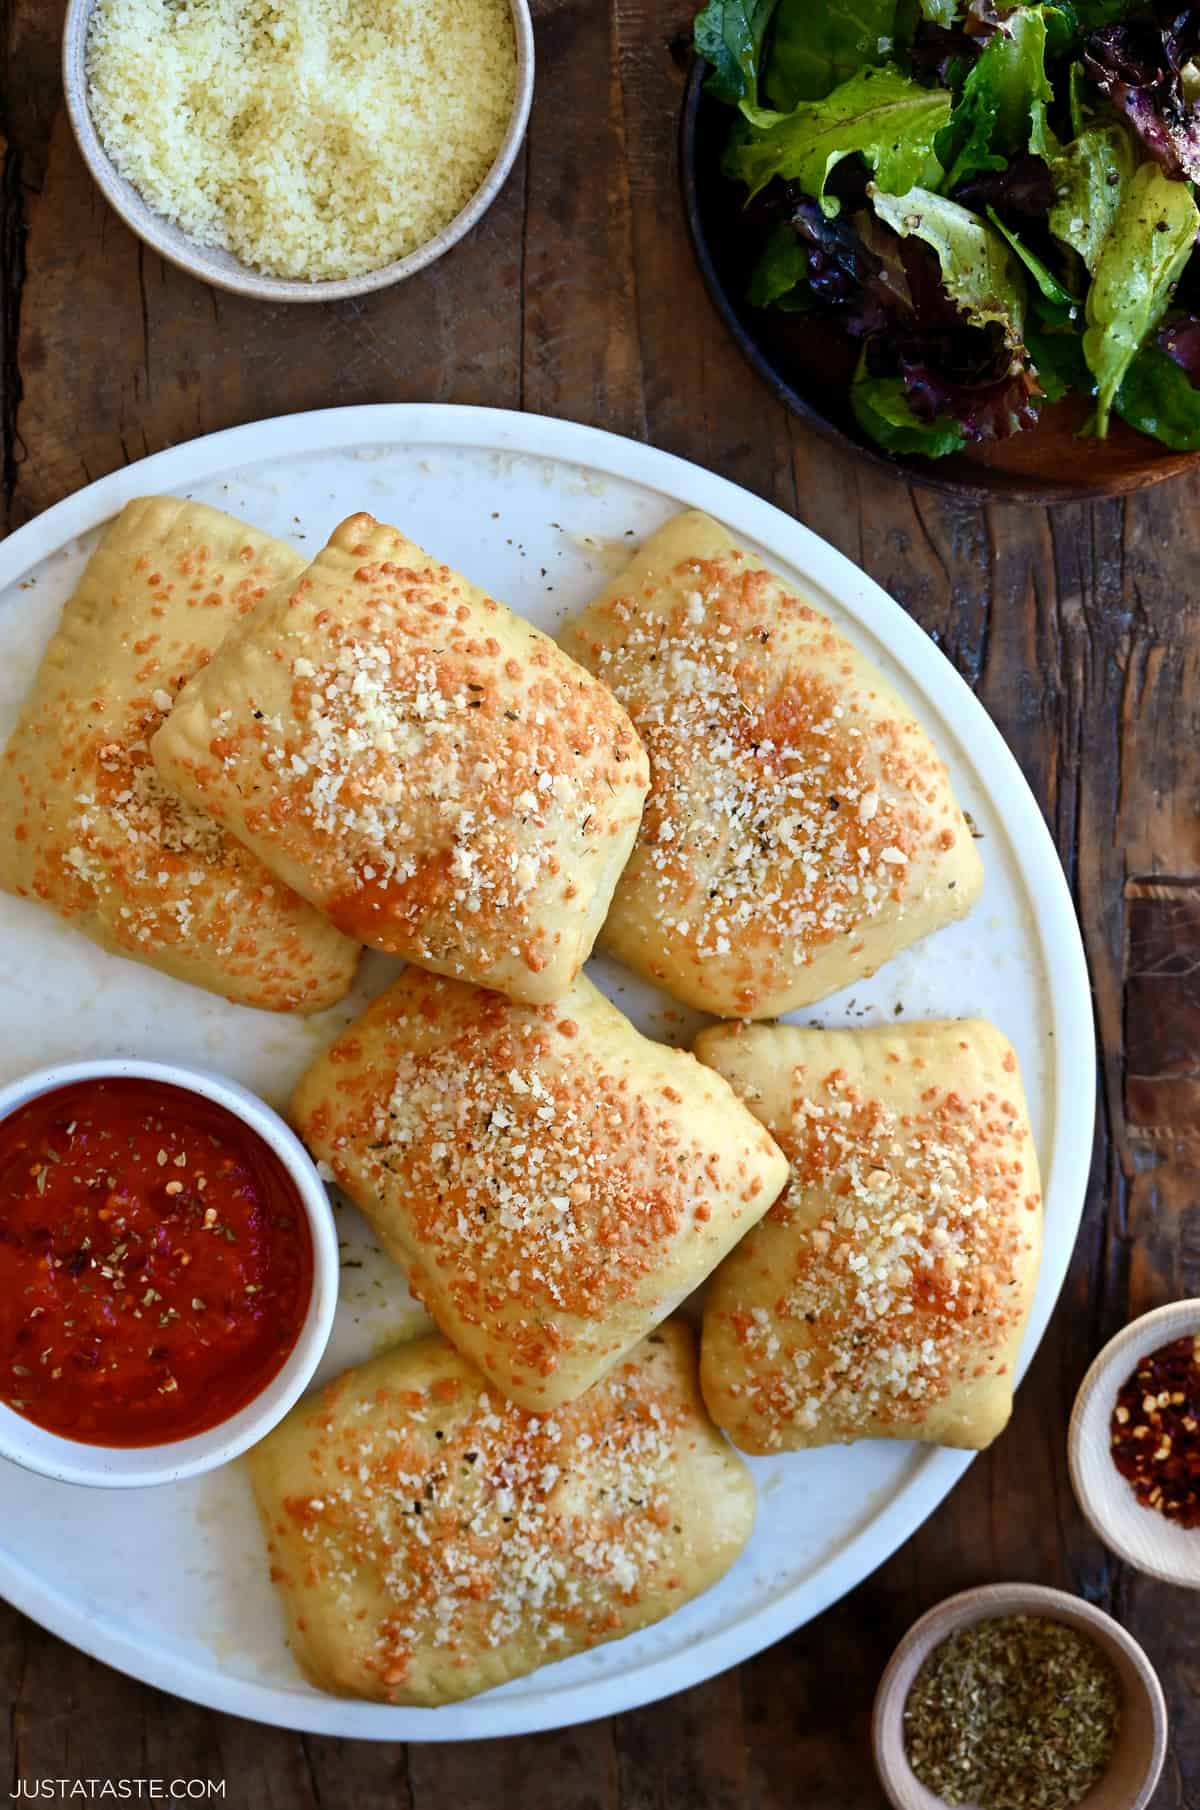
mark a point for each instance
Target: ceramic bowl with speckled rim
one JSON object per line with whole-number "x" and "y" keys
{"x": 220, "y": 268}
{"x": 1141, "y": 1742}
{"x": 1141, "y": 1536}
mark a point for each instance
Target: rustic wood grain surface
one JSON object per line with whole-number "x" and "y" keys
{"x": 577, "y": 297}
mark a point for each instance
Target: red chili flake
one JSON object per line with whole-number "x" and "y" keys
{"x": 1155, "y": 1431}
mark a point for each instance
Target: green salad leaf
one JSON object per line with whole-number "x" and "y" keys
{"x": 883, "y": 411}
{"x": 787, "y": 51}
{"x": 979, "y": 269}
{"x": 880, "y": 113}
{"x": 1091, "y": 179}
{"x": 1002, "y": 108}
{"x": 1055, "y": 346}
{"x": 940, "y": 12}
{"x": 816, "y": 47}
{"x": 1159, "y": 398}
{"x": 729, "y": 34}
{"x": 1062, "y": 27}
{"x": 1077, "y": 99}
{"x": 1142, "y": 258}
{"x": 1048, "y": 284}
{"x": 781, "y": 274}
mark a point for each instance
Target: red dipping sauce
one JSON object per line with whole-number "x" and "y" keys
{"x": 156, "y": 1264}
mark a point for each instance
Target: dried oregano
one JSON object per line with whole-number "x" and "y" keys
{"x": 1014, "y": 1713}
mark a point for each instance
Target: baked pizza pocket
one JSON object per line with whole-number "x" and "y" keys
{"x": 421, "y": 764}
{"x": 87, "y": 823}
{"x": 552, "y": 1182}
{"x": 886, "y": 1293}
{"x": 430, "y": 1540}
{"x": 800, "y": 828}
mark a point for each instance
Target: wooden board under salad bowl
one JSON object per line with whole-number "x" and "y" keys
{"x": 808, "y": 364}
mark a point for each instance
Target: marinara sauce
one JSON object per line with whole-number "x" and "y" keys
{"x": 155, "y": 1262}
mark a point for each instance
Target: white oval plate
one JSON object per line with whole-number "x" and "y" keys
{"x": 171, "y": 1584}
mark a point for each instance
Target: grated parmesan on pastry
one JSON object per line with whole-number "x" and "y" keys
{"x": 553, "y": 1183}
{"x": 87, "y": 824}
{"x": 421, "y": 764}
{"x": 800, "y": 827}
{"x": 430, "y": 1540}
{"x": 886, "y": 1293}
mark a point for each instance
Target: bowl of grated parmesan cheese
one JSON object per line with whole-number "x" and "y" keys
{"x": 299, "y": 150}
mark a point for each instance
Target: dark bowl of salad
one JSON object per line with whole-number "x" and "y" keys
{"x": 960, "y": 235}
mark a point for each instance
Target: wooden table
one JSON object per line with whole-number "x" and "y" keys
{"x": 578, "y": 297}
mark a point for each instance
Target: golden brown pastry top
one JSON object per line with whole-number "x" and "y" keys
{"x": 432, "y": 1539}
{"x": 553, "y": 1182}
{"x": 428, "y": 769}
{"x": 91, "y": 828}
{"x": 794, "y": 800}
{"x": 896, "y": 1270}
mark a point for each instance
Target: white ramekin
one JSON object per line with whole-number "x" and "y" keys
{"x": 221, "y": 268}
{"x": 1141, "y": 1743}
{"x": 121, "y": 1467}
{"x": 1141, "y": 1536}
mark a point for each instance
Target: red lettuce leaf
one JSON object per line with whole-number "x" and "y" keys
{"x": 969, "y": 377}
{"x": 887, "y": 292}
{"x": 1179, "y": 337}
{"x": 1139, "y": 66}
{"x": 1025, "y": 188}
{"x": 943, "y": 53}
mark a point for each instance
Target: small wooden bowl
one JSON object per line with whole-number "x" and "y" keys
{"x": 220, "y": 268}
{"x": 808, "y": 362}
{"x": 1141, "y": 1740}
{"x": 1141, "y": 1536}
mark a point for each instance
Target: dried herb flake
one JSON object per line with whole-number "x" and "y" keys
{"x": 1018, "y": 1712}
